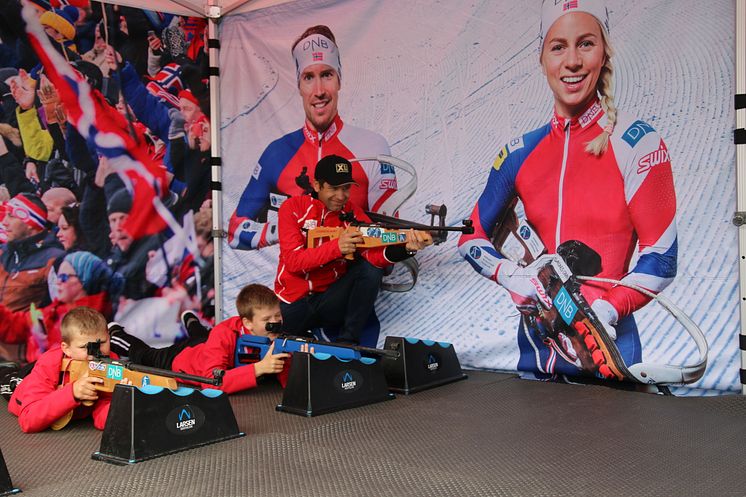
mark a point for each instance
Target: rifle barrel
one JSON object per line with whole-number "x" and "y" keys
{"x": 421, "y": 227}
{"x": 365, "y": 350}
{"x": 179, "y": 376}
{"x": 382, "y": 352}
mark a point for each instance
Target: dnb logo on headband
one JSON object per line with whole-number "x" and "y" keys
{"x": 316, "y": 49}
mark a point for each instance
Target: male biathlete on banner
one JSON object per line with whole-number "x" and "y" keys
{"x": 592, "y": 174}
{"x": 289, "y": 161}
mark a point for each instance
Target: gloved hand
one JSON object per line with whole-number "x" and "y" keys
{"x": 524, "y": 286}
{"x": 272, "y": 234}
{"x": 176, "y": 128}
{"x": 607, "y": 315}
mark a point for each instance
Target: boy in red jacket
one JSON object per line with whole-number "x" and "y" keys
{"x": 257, "y": 305}
{"x": 41, "y": 399}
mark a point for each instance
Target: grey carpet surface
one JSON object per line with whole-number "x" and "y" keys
{"x": 491, "y": 435}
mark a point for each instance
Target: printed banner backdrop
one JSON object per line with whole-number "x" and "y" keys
{"x": 448, "y": 84}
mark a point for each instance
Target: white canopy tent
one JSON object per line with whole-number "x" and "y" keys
{"x": 214, "y": 10}
{"x": 200, "y": 8}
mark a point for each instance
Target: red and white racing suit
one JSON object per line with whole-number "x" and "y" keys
{"x": 254, "y": 222}
{"x": 613, "y": 203}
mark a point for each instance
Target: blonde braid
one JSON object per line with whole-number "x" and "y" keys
{"x": 605, "y": 88}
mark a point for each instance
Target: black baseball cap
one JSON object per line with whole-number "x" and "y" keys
{"x": 334, "y": 170}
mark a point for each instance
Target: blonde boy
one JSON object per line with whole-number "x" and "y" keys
{"x": 41, "y": 399}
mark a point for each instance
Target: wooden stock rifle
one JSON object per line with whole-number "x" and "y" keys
{"x": 114, "y": 372}
{"x": 384, "y": 232}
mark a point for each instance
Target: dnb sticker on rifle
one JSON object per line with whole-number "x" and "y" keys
{"x": 389, "y": 237}
{"x": 565, "y": 306}
{"x": 115, "y": 372}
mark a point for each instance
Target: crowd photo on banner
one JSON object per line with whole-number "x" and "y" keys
{"x": 123, "y": 227}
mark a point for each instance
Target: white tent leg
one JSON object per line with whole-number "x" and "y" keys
{"x": 215, "y": 152}
{"x": 741, "y": 178}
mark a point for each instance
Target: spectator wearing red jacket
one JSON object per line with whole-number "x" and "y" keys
{"x": 82, "y": 280}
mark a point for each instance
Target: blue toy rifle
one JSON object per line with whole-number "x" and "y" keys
{"x": 253, "y": 348}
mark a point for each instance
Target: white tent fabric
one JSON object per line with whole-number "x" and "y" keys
{"x": 199, "y": 8}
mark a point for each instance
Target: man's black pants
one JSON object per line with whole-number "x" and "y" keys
{"x": 346, "y": 303}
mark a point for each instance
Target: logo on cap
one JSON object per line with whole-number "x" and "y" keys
{"x": 342, "y": 168}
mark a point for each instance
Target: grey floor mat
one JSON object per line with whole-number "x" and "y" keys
{"x": 491, "y": 435}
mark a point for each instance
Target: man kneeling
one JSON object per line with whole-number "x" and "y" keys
{"x": 318, "y": 286}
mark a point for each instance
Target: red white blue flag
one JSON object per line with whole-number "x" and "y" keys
{"x": 102, "y": 125}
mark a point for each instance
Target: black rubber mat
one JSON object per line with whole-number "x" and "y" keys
{"x": 491, "y": 435}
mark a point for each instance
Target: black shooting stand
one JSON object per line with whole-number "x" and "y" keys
{"x": 321, "y": 383}
{"x": 150, "y": 421}
{"x": 421, "y": 364}
{"x": 6, "y": 486}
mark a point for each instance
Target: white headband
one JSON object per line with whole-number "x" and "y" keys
{"x": 316, "y": 49}
{"x": 551, "y": 10}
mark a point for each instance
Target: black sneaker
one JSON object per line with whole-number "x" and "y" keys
{"x": 114, "y": 327}
{"x": 119, "y": 340}
{"x": 189, "y": 318}
{"x": 4, "y": 363}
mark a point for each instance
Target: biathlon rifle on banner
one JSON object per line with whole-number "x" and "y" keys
{"x": 571, "y": 318}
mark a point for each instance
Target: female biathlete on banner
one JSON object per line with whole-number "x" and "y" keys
{"x": 592, "y": 174}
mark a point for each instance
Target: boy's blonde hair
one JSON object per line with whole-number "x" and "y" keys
{"x": 82, "y": 321}
{"x": 252, "y": 296}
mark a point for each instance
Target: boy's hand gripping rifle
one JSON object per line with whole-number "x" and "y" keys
{"x": 114, "y": 372}
{"x": 386, "y": 231}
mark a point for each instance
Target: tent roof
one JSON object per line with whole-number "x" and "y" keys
{"x": 199, "y": 8}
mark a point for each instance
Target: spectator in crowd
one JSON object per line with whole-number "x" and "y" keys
{"x": 30, "y": 252}
{"x": 82, "y": 279}
{"x": 55, "y": 199}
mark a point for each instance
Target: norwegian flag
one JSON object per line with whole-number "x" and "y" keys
{"x": 317, "y": 56}
{"x": 100, "y": 123}
{"x": 169, "y": 78}
{"x": 571, "y": 4}
{"x": 167, "y": 98}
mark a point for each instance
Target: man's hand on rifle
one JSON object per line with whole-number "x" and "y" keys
{"x": 271, "y": 363}
{"x": 348, "y": 240}
{"x": 84, "y": 388}
{"x": 523, "y": 285}
{"x": 418, "y": 240}
{"x": 607, "y": 315}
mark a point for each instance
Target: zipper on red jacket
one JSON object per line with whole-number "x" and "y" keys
{"x": 560, "y": 196}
